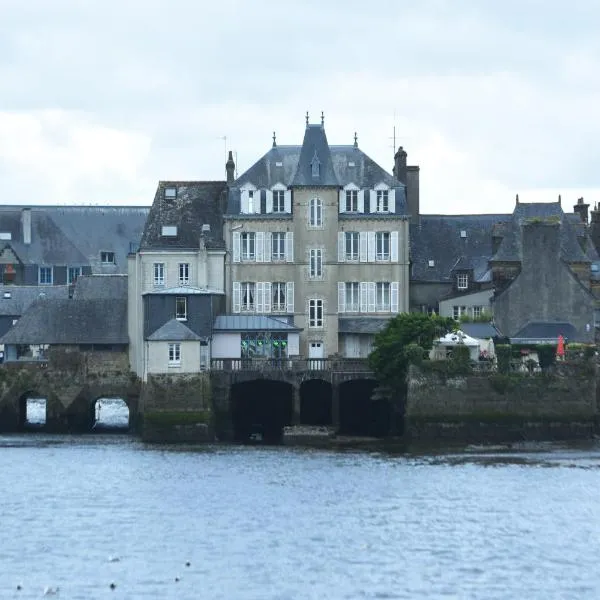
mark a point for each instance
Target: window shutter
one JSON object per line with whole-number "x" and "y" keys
{"x": 342, "y": 201}
{"x": 394, "y": 246}
{"x": 341, "y": 246}
{"x": 268, "y": 246}
{"x": 257, "y": 196}
{"x": 394, "y": 289}
{"x": 289, "y": 246}
{"x": 260, "y": 244}
{"x": 267, "y": 296}
{"x": 287, "y": 201}
{"x": 289, "y": 296}
{"x": 237, "y": 297}
{"x": 392, "y": 200}
{"x": 371, "y": 246}
{"x": 372, "y": 201}
{"x": 260, "y": 294}
{"x": 269, "y": 201}
{"x": 341, "y": 296}
{"x": 362, "y": 242}
{"x": 361, "y": 201}
{"x": 371, "y": 296}
{"x": 363, "y": 288}
{"x": 244, "y": 202}
{"x": 236, "y": 246}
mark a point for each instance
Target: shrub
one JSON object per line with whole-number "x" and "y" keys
{"x": 503, "y": 352}
{"x": 461, "y": 360}
{"x": 414, "y": 354}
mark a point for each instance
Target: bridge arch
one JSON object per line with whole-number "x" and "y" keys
{"x": 360, "y": 415}
{"x": 316, "y": 402}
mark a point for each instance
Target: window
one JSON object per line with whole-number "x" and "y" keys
{"x": 73, "y": 274}
{"x": 184, "y": 273}
{"x": 251, "y": 200}
{"x": 278, "y": 201}
{"x": 382, "y": 201}
{"x": 181, "y": 308}
{"x": 45, "y": 275}
{"x": 352, "y": 301}
{"x": 159, "y": 273}
{"x": 351, "y": 200}
{"x": 248, "y": 246}
{"x": 462, "y": 281}
{"x": 477, "y": 312}
{"x": 248, "y": 295}
{"x": 278, "y": 246}
{"x": 315, "y": 216}
{"x": 315, "y": 313}
{"x": 382, "y": 245}
{"x": 458, "y": 311}
{"x": 264, "y": 345}
{"x": 174, "y": 355}
{"x": 170, "y": 194}
{"x": 351, "y": 243}
{"x": 382, "y": 296}
{"x": 278, "y": 297}
{"x": 168, "y": 231}
{"x": 316, "y": 263}
{"x": 107, "y": 258}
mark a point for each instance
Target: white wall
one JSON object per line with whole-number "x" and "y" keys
{"x": 481, "y": 298}
{"x": 158, "y": 357}
{"x": 227, "y": 345}
{"x": 293, "y": 347}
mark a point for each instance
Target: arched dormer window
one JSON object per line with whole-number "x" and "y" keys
{"x": 352, "y": 199}
{"x": 249, "y": 199}
{"x": 382, "y": 199}
{"x": 279, "y": 199}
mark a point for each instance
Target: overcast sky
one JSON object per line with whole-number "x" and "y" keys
{"x": 99, "y": 99}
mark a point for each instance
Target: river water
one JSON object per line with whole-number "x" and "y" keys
{"x": 80, "y": 513}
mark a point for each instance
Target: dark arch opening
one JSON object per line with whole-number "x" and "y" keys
{"x": 33, "y": 411}
{"x": 260, "y": 410}
{"x": 315, "y": 402}
{"x": 359, "y": 414}
{"x": 111, "y": 415}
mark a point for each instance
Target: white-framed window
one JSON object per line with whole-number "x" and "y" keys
{"x": 352, "y": 296}
{"x": 181, "y": 308}
{"x": 170, "y": 194}
{"x": 382, "y": 296}
{"x": 315, "y": 268}
{"x": 278, "y": 201}
{"x": 278, "y": 298}
{"x": 462, "y": 281}
{"x": 315, "y": 212}
{"x": 351, "y": 201}
{"x": 184, "y": 273}
{"x": 278, "y": 245}
{"x": 248, "y": 295}
{"x": 315, "y": 313}
{"x": 174, "y": 355}
{"x": 351, "y": 243}
{"x": 252, "y": 198}
{"x": 73, "y": 274}
{"x": 159, "y": 273}
{"x": 45, "y": 275}
{"x": 248, "y": 245}
{"x": 382, "y": 244}
{"x": 107, "y": 258}
{"x": 477, "y": 311}
{"x": 383, "y": 201}
{"x": 458, "y": 311}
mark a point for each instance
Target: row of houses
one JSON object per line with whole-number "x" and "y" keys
{"x": 307, "y": 254}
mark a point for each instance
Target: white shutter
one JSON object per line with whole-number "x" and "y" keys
{"x": 371, "y": 296}
{"x": 362, "y": 242}
{"x": 394, "y": 296}
{"x": 287, "y": 201}
{"x": 289, "y": 296}
{"x": 371, "y": 246}
{"x": 341, "y": 246}
{"x": 236, "y": 246}
{"x": 269, "y": 201}
{"x": 260, "y": 294}
{"x": 342, "y": 201}
{"x": 392, "y": 200}
{"x": 257, "y": 201}
{"x": 372, "y": 201}
{"x": 244, "y": 202}
{"x": 268, "y": 246}
{"x": 259, "y": 246}
{"x": 341, "y": 296}
{"x": 289, "y": 246}
{"x": 363, "y": 288}
{"x": 361, "y": 201}
{"x": 267, "y": 296}
{"x": 394, "y": 246}
{"x": 237, "y": 297}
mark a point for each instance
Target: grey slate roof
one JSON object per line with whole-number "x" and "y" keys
{"x": 197, "y": 203}
{"x": 174, "y": 331}
{"x": 315, "y": 149}
{"x": 545, "y": 330}
{"x": 361, "y": 324}
{"x": 71, "y": 321}
{"x": 479, "y": 331}
{"x": 251, "y": 323}
{"x": 16, "y": 299}
{"x": 91, "y": 287}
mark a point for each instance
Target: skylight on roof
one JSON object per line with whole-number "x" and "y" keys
{"x": 169, "y": 231}
{"x": 278, "y": 163}
{"x": 432, "y": 263}
{"x": 463, "y": 233}
{"x": 5, "y": 235}
{"x": 170, "y": 193}
{"x": 351, "y": 164}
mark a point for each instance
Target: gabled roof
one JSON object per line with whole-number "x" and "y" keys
{"x": 197, "y": 203}
{"x": 99, "y": 321}
{"x": 89, "y": 287}
{"x": 480, "y": 331}
{"x": 173, "y": 331}
{"x": 545, "y": 330}
{"x": 16, "y": 299}
{"x": 251, "y": 323}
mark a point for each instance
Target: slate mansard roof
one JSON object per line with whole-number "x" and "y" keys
{"x": 16, "y": 299}
{"x": 197, "y": 203}
{"x": 292, "y": 166}
{"x": 97, "y": 287}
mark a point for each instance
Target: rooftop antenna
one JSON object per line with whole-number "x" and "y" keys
{"x": 224, "y": 138}
{"x": 236, "y": 163}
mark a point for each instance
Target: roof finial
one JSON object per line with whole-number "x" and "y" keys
{"x": 274, "y": 140}
{"x": 307, "y": 118}
{"x": 355, "y": 140}
{"x": 322, "y": 119}
{"x": 517, "y": 198}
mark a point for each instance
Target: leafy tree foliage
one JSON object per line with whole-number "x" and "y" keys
{"x": 391, "y": 353}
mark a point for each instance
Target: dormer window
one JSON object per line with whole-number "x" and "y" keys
{"x": 383, "y": 201}
{"x": 107, "y": 258}
{"x": 169, "y": 231}
{"x": 278, "y": 201}
{"x": 170, "y": 194}
{"x": 351, "y": 201}
{"x": 249, "y": 200}
{"x": 462, "y": 281}
{"x": 315, "y": 166}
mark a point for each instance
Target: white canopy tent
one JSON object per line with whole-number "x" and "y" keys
{"x": 442, "y": 345}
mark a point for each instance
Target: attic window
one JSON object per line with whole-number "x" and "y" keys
{"x": 107, "y": 258}
{"x": 463, "y": 233}
{"x": 170, "y": 194}
{"x": 351, "y": 164}
{"x": 595, "y": 268}
{"x": 5, "y": 235}
{"x": 169, "y": 231}
{"x": 7, "y": 294}
{"x": 278, "y": 164}
{"x": 432, "y": 263}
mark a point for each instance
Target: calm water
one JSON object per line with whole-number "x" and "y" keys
{"x": 276, "y": 523}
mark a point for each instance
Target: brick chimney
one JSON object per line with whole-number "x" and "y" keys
{"x": 230, "y": 168}
{"x": 400, "y": 165}
{"x": 581, "y": 208}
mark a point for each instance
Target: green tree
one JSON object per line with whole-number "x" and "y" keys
{"x": 390, "y": 356}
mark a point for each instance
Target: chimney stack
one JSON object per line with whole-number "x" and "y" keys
{"x": 581, "y": 208}
{"x": 230, "y": 168}
{"x": 26, "y": 225}
{"x": 400, "y": 165}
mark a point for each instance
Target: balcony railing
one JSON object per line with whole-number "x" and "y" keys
{"x": 355, "y": 365}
